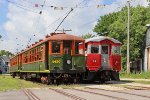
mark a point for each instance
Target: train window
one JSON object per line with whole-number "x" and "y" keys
{"x": 78, "y": 48}
{"x": 37, "y": 55}
{"x": 26, "y": 59}
{"x": 55, "y": 47}
{"x": 116, "y": 50}
{"x": 104, "y": 49}
{"x": 94, "y": 49}
{"x": 40, "y": 55}
{"x": 41, "y": 48}
{"x": 32, "y": 55}
{"x": 67, "y": 47}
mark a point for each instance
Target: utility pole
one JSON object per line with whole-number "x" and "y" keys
{"x": 128, "y": 39}
{"x": 148, "y": 2}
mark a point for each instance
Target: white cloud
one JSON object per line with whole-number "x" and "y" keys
{"x": 23, "y": 24}
{"x": 9, "y": 26}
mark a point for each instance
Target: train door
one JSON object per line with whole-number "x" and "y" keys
{"x": 105, "y": 51}
{"x": 67, "y": 54}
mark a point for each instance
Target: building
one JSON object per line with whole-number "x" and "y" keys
{"x": 4, "y": 64}
{"x": 147, "y": 50}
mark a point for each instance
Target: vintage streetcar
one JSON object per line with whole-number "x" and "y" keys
{"x": 103, "y": 59}
{"x": 53, "y": 60}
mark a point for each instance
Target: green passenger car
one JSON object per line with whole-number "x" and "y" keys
{"x": 57, "y": 58}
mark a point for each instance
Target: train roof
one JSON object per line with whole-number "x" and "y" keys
{"x": 100, "y": 38}
{"x": 53, "y": 37}
{"x": 63, "y": 36}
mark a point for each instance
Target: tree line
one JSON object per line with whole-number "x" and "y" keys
{"x": 7, "y": 53}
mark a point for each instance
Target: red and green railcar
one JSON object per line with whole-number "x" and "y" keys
{"x": 56, "y": 58}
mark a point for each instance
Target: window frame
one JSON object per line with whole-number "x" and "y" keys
{"x": 94, "y": 45}
{"x": 115, "y": 48}
{"x": 60, "y": 49}
{"x": 74, "y": 48}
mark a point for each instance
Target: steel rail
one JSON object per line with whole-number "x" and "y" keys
{"x": 74, "y": 97}
{"x": 120, "y": 92}
{"x": 136, "y": 87}
{"x": 100, "y": 94}
{"x": 30, "y": 95}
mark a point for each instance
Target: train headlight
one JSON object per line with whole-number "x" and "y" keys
{"x": 68, "y": 61}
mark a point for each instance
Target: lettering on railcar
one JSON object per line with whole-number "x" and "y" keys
{"x": 56, "y": 61}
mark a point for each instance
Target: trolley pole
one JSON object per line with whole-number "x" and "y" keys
{"x": 128, "y": 39}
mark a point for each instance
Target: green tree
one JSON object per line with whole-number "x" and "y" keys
{"x": 86, "y": 36}
{"x": 7, "y": 53}
{"x": 115, "y": 24}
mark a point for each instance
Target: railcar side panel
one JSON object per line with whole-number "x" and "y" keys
{"x": 55, "y": 62}
{"x": 78, "y": 63}
{"x": 13, "y": 69}
{"x": 93, "y": 62}
{"x": 115, "y": 62}
{"x": 35, "y": 66}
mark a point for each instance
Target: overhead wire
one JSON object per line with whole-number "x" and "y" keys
{"x": 68, "y": 14}
{"x": 37, "y": 22}
{"x": 63, "y": 20}
{"x": 63, "y": 15}
{"x": 83, "y": 25}
{"x": 21, "y": 6}
{"x": 50, "y": 25}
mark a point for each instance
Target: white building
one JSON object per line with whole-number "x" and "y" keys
{"x": 4, "y": 64}
{"x": 147, "y": 50}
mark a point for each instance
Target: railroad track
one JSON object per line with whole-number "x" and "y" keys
{"x": 30, "y": 94}
{"x": 27, "y": 92}
{"x": 136, "y": 87}
{"x": 100, "y": 94}
{"x": 145, "y": 96}
{"x": 74, "y": 97}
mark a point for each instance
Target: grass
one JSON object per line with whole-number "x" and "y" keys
{"x": 143, "y": 75}
{"x": 8, "y": 83}
{"x": 143, "y": 82}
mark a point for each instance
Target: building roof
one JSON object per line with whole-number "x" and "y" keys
{"x": 148, "y": 25}
{"x": 100, "y": 38}
{"x": 5, "y": 58}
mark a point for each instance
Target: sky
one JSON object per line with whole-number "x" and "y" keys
{"x": 22, "y": 25}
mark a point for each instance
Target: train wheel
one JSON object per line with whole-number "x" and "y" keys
{"x": 24, "y": 77}
{"x": 43, "y": 80}
{"x": 13, "y": 75}
{"x": 48, "y": 81}
{"x": 102, "y": 81}
{"x": 115, "y": 76}
{"x": 21, "y": 76}
{"x": 74, "y": 80}
{"x": 56, "y": 82}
